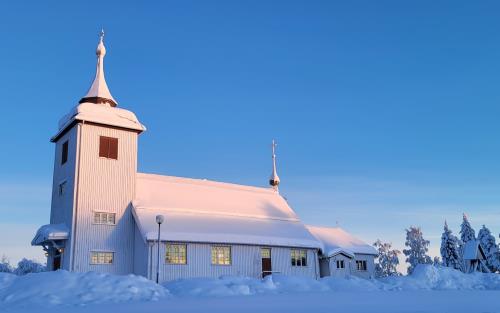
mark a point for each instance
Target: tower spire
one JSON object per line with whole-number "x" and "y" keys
{"x": 99, "y": 92}
{"x": 274, "y": 181}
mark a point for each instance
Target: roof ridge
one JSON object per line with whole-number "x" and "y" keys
{"x": 208, "y": 182}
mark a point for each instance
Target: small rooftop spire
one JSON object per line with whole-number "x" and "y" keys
{"x": 274, "y": 180}
{"x": 99, "y": 92}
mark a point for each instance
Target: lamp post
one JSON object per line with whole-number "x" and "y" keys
{"x": 159, "y": 221}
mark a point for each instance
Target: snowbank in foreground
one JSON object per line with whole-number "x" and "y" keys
{"x": 52, "y": 289}
{"x": 425, "y": 277}
{"x": 65, "y": 288}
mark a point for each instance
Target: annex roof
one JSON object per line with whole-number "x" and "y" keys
{"x": 335, "y": 240}
{"x": 473, "y": 250}
{"x": 50, "y": 232}
{"x": 198, "y": 210}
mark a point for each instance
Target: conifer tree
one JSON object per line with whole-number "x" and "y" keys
{"x": 418, "y": 247}
{"x": 467, "y": 233}
{"x": 450, "y": 249}
{"x": 489, "y": 245}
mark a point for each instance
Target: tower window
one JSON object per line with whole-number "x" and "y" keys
{"x": 64, "y": 153}
{"x": 108, "y": 147}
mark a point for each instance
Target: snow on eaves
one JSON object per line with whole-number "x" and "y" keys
{"x": 50, "y": 232}
{"x": 100, "y": 114}
{"x": 198, "y": 210}
{"x": 336, "y": 240}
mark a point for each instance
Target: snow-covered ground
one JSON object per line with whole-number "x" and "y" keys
{"x": 428, "y": 290}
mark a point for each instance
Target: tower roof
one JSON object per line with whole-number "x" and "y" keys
{"x": 99, "y": 91}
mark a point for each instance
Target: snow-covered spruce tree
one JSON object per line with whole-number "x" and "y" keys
{"x": 387, "y": 260}
{"x": 5, "y": 265}
{"x": 450, "y": 249}
{"x": 26, "y": 266}
{"x": 487, "y": 241}
{"x": 418, "y": 247}
{"x": 467, "y": 233}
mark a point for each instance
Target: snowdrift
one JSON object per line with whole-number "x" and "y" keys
{"x": 425, "y": 277}
{"x": 64, "y": 288}
{"x": 76, "y": 289}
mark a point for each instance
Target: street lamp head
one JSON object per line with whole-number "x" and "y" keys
{"x": 159, "y": 219}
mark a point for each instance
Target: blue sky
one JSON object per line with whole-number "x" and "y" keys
{"x": 385, "y": 112}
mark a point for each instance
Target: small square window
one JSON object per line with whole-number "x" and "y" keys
{"x": 221, "y": 255}
{"x": 176, "y": 254}
{"x": 361, "y": 265}
{"x": 298, "y": 257}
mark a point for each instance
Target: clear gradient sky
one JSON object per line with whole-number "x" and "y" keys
{"x": 386, "y": 113}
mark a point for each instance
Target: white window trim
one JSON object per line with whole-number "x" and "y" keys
{"x": 102, "y": 251}
{"x": 106, "y": 224}
{"x": 179, "y": 244}
{"x": 306, "y": 256}
{"x": 230, "y": 255}
{"x": 366, "y": 263}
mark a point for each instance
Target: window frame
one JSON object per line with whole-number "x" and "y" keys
{"x": 104, "y": 253}
{"x": 179, "y": 253}
{"x": 64, "y": 152}
{"x": 363, "y": 267}
{"x": 341, "y": 263}
{"x": 215, "y": 261}
{"x": 105, "y": 147}
{"x": 100, "y": 218}
{"x": 298, "y": 257}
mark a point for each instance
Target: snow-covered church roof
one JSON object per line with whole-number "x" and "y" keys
{"x": 198, "y": 210}
{"x": 336, "y": 240}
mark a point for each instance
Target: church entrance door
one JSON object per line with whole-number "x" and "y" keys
{"x": 266, "y": 261}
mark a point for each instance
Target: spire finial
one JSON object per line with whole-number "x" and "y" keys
{"x": 99, "y": 92}
{"x": 274, "y": 180}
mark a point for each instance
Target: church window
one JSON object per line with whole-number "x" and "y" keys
{"x": 299, "y": 257}
{"x": 340, "y": 264}
{"x": 221, "y": 255}
{"x": 361, "y": 265}
{"x": 97, "y": 257}
{"x": 64, "y": 153}
{"x": 108, "y": 147}
{"x": 104, "y": 218}
{"x": 176, "y": 254}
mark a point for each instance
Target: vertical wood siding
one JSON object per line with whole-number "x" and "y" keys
{"x": 62, "y": 205}
{"x": 246, "y": 261}
{"x": 140, "y": 254}
{"x": 370, "y": 266}
{"x": 349, "y": 264}
{"x": 105, "y": 185}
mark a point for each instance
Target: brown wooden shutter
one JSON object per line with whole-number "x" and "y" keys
{"x": 103, "y": 146}
{"x": 113, "y": 148}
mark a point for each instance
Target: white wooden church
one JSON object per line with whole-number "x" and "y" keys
{"x": 103, "y": 212}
